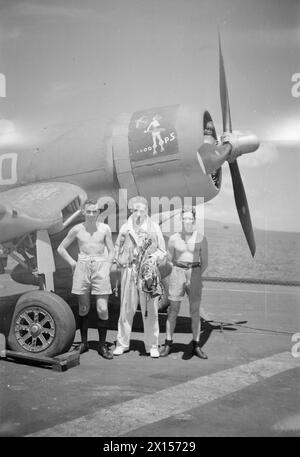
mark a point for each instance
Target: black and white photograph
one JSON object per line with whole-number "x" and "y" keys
{"x": 149, "y": 222}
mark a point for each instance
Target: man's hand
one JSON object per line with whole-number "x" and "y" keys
{"x": 114, "y": 267}
{"x": 152, "y": 260}
{"x": 232, "y": 139}
{"x": 73, "y": 266}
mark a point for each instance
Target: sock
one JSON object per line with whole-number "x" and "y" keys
{"x": 83, "y": 326}
{"x": 102, "y": 330}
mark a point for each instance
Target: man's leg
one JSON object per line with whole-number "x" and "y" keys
{"x": 172, "y": 317}
{"x": 149, "y": 309}
{"x": 129, "y": 302}
{"x": 173, "y": 311}
{"x": 195, "y": 293}
{"x": 195, "y": 317}
{"x": 84, "y": 307}
{"x": 102, "y": 325}
{"x": 176, "y": 293}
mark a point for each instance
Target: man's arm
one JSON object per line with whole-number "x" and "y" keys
{"x": 120, "y": 240}
{"x": 204, "y": 255}
{"x": 109, "y": 244}
{"x": 62, "y": 248}
{"x": 171, "y": 249}
{"x": 160, "y": 254}
{"x": 118, "y": 245}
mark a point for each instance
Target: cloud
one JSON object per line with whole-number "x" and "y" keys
{"x": 286, "y": 130}
{"x": 10, "y": 33}
{"x": 47, "y": 10}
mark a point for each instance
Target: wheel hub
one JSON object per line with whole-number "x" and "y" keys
{"x": 35, "y": 329}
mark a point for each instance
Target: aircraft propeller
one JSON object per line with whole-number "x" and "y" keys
{"x": 238, "y": 187}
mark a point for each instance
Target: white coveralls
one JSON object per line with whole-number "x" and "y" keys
{"x": 131, "y": 291}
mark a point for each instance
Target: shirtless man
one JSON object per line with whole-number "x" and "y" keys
{"x": 91, "y": 272}
{"x": 188, "y": 253}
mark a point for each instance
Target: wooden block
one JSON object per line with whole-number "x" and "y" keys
{"x": 27, "y": 356}
{"x": 58, "y": 363}
{"x": 66, "y": 361}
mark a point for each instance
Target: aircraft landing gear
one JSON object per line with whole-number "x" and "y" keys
{"x": 42, "y": 324}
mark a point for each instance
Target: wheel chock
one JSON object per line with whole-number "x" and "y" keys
{"x": 60, "y": 362}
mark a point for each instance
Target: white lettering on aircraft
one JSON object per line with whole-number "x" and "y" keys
{"x": 166, "y": 140}
{"x": 8, "y": 168}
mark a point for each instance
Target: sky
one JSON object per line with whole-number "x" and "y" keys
{"x": 111, "y": 56}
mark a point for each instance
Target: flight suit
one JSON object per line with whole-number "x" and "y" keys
{"x": 127, "y": 247}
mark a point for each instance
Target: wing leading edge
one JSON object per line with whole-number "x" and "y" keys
{"x": 47, "y": 205}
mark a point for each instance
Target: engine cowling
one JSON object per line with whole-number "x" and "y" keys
{"x": 155, "y": 153}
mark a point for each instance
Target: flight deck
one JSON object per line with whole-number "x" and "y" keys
{"x": 249, "y": 386}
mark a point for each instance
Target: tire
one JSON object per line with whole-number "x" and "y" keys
{"x": 43, "y": 324}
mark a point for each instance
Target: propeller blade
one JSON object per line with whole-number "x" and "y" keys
{"x": 242, "y": 205}
{"x": 227, "y": 127}
{"x": 237, "y": 183}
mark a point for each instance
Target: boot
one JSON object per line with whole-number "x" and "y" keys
{"x": 83, "y": 326}
{"x": 102, "y": 348}
{"x": 104, "y": 351}
{"x": 83, "y": 347}
{"x": 197, "y": 351}
{"x": 166, "y": 349}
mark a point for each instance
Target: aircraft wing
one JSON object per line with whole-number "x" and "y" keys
{"x": 46, "y": 205}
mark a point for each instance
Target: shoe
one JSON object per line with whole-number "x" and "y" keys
{"x": 104, "y": 352}
{"x": 197, "y": 351}
{"x": 119, "y": 350}
{"x": 154, "y": 353}
{"x": 166, "y": 349}
{"x": 83, "y": 347}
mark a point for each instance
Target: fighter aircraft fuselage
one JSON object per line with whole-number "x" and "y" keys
{"x": 102, "y": 156}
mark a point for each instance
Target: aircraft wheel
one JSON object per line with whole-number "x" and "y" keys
{"x": 43, "y": 324}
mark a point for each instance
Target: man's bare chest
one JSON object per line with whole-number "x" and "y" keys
{"x": 187, "y": 244}
{"x": 85, "y": 237}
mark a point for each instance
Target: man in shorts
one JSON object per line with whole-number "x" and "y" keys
{"x": 91, "y": 272}
{"x": 188, "y": 253}
{"x": 139, "y": 231}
